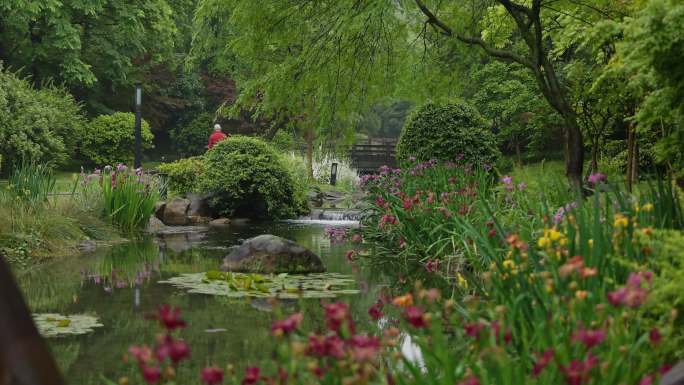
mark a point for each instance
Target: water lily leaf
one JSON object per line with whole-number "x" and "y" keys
{"x": 285, "y": 286}
{"x": 57, "y": 325}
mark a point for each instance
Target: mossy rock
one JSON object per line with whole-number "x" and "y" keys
{"x": 270, "y": 254}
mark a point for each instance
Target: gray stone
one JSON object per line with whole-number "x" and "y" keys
{"x": 87, "y": 246}
{"x": 155, "y": 225}
{"x": 271, "y": 254}
{"x": 199, "y": 205}
{"x": 159, "y": 209}
{"x": 674, "y": 376}
{"x": 220, "y": 222}
{"x": 175, "y": 213}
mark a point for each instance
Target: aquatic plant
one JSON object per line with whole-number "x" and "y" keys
{"x": 58, "y": 325}
{"x": 285, "y": 286}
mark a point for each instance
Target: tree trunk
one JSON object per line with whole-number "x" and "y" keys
{"x": 24, "y": 355}
{"x": 309, "y": 153}
{"x": 574, "y": 163}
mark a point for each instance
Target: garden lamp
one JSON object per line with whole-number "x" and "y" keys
{"x": 333, "y": 174}
{"x": 138, "y": 123}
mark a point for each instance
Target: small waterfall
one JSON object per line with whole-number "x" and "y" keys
{"x": 348, "y": 217}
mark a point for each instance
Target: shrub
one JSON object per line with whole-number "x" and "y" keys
{"x": 447, "y": 132}
{"x": 191, "y": 139}
{"x": 37, "y": 125}
{"x": 183, "y": 175}
{"x": 246, "y": 177}
{"x": 111, "y": 139}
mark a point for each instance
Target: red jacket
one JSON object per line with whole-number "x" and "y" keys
{"x": 215, "y": 138}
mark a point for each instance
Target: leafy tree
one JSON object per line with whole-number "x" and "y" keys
{"x": 110, "y": 139}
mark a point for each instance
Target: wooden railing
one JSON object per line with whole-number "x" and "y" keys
{"x": 367, "y": 158}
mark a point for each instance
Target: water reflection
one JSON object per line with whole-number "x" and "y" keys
{"x": 119, "y": 285}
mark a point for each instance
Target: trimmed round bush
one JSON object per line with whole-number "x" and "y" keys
{"x": 451, "y": 132}
{"x": 110, "y": 139}
{"x": 246, "y": 178}
{"x": 283, "y": 141}
{"x": 191, "y": 139}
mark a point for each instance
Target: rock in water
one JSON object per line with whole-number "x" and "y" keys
{"x": 175, "y": 212}
{"x": 271, "y": 254}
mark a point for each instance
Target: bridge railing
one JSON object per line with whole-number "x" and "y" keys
{"x": 369, "y": 157}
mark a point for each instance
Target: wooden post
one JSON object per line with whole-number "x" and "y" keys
{"x": 24, "y": 355}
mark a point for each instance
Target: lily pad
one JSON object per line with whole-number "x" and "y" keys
{"x": 285, "y": 286}
{"x": 56, "y": 325}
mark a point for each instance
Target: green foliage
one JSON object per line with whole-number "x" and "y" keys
{"x": 448, "y": 132}
{"x": 191, "y": 139}
{"x": 32, "y": 183}
{"x": 183, "y": 175}
{"x": 129, "y": 199}
{"x": 36, "y": 125}
{"x": 246, "y": 177}
{"x": 110, "y": 139}
{"x": 283, "y": 141}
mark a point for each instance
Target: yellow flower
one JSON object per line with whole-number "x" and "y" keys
{"x": 404, "y": 300}
{"x": 591, "y": 243}
{"x": 462, "y": 281}
{"x": 648, "y": 207}
{"x": 509, "y": 264}
{"x": 544, "y": 242}
{"x": 581, "y": 294}
{"x": 554, "y": 234}
{"x": 620, "y": 221}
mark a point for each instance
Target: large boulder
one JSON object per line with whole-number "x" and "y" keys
{"x": 175, "y": 212}
{"x": 199, "y": 210}
{"x": 271, "y": 254}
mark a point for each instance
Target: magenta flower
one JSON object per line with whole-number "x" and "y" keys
{"x": 364, "y": 348}
{"x": 375, "y": 311}
{"x": 633, "y": 294}
{"x": 543, "y": 360}
{"x": 251, "y": 375}
{"x": 432, "y": 265}
{"x": 473, "y": 329}
{"x": 577, "y": 372}
{"x": 416, "y": 317}
{"x": 522, "y": 186}
{"x": 151, "y": 374}
{"x": 647, "y": 380}
{"x": 212, "y": 375}
{"x": 597, "y": 178}
{"x": 654, "y": 336}
{"x": 588, "y": 337}
{"x": 469, "y": 380}
{"x": 141, "y": 353}
{"x": 169, "y": 318}
{"x": 336, "y": 314}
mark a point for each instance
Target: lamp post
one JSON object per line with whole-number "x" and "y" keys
{"x": 138, "y": 123}
{"x": 333, "y": 174}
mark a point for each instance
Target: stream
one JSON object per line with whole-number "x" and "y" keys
{"x": 119, "y": 285}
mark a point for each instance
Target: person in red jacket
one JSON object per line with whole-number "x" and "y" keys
{"x": 216, "y": 136}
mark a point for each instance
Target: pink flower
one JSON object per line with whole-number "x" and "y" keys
{"x": 543, "y": 360}
{"x": 596, "y": 178}
{"x": 350, "y": 255}
{"x": 664, "y": 369}
{"x": 654, "y": 336}
{"x": 169, "y": 318}
{"x": 647, "y": 380}
{"x": 141, "y": 353}
{"x": 151, "y": 374}
{"x": 320, "y": 346}
{"x": 336, "y": 314}
{"x": 588, "y": 337}
{"x": 287, "y": 325}
{"x": 364, "y": 348}
{"x": 212, "y": 375}
{"x": 633, "y": 294}
{"x": 415, "y": 316}
{"x": 577, "y": 372}
{"x": 251, "y": 375}
{"x": 432, "y": 265}
{"x": 356, "y": 238}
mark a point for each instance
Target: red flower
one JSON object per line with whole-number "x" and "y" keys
{"x": 507, "y": 337}
{"x": 588, "y": 337}
{"x": 633, "y": 294}
{"x": 320, "y": 346}
{"x": 350, "y": 255}
{"x": 655, "y": 336}
{"x": 287, "y": 325}
{"x": 577, "y": 372}
{"x": 151, "y": 374}
{"x": 169, "y": 318}
{"x": 251, "y": 375}
{"x": 375, "y": 311}
{"x": 432, "y": 265}
{"x": 543, "y": 360}
{"x": 212, "y": 375}
{"x": 469, "y": 380}
{"x": 664, "y": 369}
{"x": 473, "y": 329}
{"x": 415, "y": 316}
{"x": 647, "y": 380}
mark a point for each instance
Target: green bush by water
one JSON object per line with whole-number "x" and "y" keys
{"x": 110, "y": 139}
{"x": 450, "y": 132}
{"x": 246, "y": 177}
{"x": 183, "y": 175}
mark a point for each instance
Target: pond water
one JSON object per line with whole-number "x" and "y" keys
{"x": 119, "y": 285}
